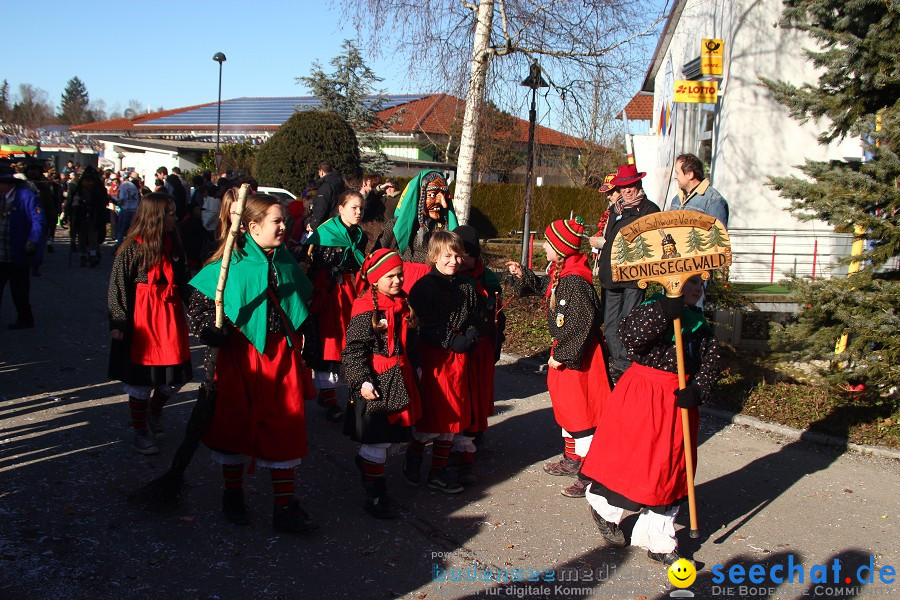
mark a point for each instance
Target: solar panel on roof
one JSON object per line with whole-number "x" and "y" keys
{"x": 254, "y": 111}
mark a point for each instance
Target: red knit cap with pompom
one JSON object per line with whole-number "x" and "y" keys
{"x": 379, "y": 263}
{"x": 565, "y": 236}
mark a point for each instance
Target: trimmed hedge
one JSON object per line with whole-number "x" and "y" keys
{"x": 498, "y": 208}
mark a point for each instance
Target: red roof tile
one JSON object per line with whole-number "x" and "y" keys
{"x": 436, "y": 114}
{"x": 639, "y": 108}
{"x": 123, "y": 124}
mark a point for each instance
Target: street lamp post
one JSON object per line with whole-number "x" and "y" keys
{"x": 219, "y": 58}
{"x": 533, "y": 81}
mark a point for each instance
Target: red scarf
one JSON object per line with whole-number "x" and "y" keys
{"x": 392, "y": 308}
{"x": 573, "y": 265}
{"x": 164, "y": 265}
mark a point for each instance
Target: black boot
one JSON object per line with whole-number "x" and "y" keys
{"x": 235, "y": 508}
{"x": 292, "y": 519}
{"x": 378, "y": 504}
{"x": 412, "y": 468}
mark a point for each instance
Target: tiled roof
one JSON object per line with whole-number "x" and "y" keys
{"x": 639, "y": 108}
{"x": 435, "y": 114}
{"x": 432, "y": 114}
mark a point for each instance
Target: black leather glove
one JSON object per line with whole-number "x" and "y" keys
{"x": 464, "y": 343}
{"x": 30, "y": 249}
{"x": 689, "y": 397}
{"x": 671, "y": 307}
{"x": 213, "y": 337}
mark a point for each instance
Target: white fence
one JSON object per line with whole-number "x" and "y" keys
{"x": 769, "y": 255}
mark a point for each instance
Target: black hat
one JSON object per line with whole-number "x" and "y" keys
{"x": 7, "y": 173}
{"x": 470, "y": 240}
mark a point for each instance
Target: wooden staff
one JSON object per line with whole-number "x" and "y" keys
{"x": 686, "y": 431}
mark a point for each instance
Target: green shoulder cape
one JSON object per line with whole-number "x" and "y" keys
{"x": 333, "y": 232}
{"x": 246, "y": 289}
{"x": 408, "y": 210}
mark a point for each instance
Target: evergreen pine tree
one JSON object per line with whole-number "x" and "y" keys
{"x": 716, "y": 238}
{"x": 695, "y": 241}
{"x": 622, "y": 251}
{"x": 858, "y": 92}
{"x": 4, "y": 100}
{"x": 73, "y": 107}
{"x": 641, "y": 249}
{"x": 350, "y": 92}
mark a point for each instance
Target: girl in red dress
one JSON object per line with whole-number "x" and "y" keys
{"x": 149, "y": 351}
{"x": 636, "y": 461}
{"x": 445, "y": 304}
{"x": 577, "y": 377}
{"x": 384, "y": 396}
{"x": 261, "y": 379}
{"x": 337, "y": 249}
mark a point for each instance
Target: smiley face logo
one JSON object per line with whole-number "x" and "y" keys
{"x": 682, "y": 573}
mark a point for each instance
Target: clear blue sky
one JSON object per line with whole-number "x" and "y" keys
{"x": 160, "y": 52}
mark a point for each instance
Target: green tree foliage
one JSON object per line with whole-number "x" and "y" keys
{"x": 622, "y": 251}
{"x": 73, "y": 105}
{"x": 235, "y": 157}
{"x": 695, "y": 241}
{"x": 859, "y": 93}
{"x": 641, "y": 249}
{"x": 350, "y": 92}
{"x": 4, "y": 100}
{"x": 716, "y": 238}
{"x": 290, "y": 159}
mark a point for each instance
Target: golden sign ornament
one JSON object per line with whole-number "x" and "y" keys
{"x": 697, "y": 92}
{"x": 669, "y": 248}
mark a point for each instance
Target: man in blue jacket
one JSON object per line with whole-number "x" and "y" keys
{"x": 695, "y": 192}
{"x": 21, "y": 241}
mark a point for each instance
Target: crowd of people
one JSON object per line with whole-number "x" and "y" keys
{"x": 394, "y": 300}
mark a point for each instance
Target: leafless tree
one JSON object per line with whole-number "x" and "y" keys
{"x": 570, "y": 38}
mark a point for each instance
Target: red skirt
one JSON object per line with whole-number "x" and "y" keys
{"x": 446, "y": 401}
{"x": 638, "y": 448}
{"x": 481, "y": 383}
{"x": 413, "y": 411}
{"x": 332, "y": 305}
{"x": 259, "y": 405}
{"x": 578, "y": 396}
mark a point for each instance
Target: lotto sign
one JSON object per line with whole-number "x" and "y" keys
{"x": 697, "y": 92}
{"x": 670, "y": 247}
{"x": 711, "y": 51}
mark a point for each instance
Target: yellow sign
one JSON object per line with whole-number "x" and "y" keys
{"x": 697, "y": 92}
{"x": 711, "y": 51}
{"x": 669, "y": 247}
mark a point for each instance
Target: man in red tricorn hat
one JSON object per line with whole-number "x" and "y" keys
{"x": 621, "y": 296}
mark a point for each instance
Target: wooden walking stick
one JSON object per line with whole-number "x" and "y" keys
{"x": 692, "y": 243}
{"x": 164, "y": 492}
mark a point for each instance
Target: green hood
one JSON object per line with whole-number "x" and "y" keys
{"x": 409, "y": 209}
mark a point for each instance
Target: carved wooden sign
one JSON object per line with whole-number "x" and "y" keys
{"x": 669, "y": 248}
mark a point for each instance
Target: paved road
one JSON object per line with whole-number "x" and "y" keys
{"x": 66, "y": 530}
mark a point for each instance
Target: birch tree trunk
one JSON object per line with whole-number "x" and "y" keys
{"x": 481, "y": 59}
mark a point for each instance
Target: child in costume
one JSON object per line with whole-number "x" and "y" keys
{"x": 149, "y": 352}
{"x": 337, "y": 249}
{"x": 261, "y": 379}
{"x": 577, "y": 377}
{"x": 445, "y": 304}
{"x": 636, "y": 462}
{"x": 424, "y": 209}
{"x": 384, "y": 395}
{"x": 490, "y": 325}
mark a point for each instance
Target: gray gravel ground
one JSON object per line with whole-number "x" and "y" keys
{"x": 66, "y": 530}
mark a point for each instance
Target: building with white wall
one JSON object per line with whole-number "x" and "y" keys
{"x": 746, "y": 137}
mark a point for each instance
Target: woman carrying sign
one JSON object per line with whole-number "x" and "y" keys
{"x": 636, "y": 462}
